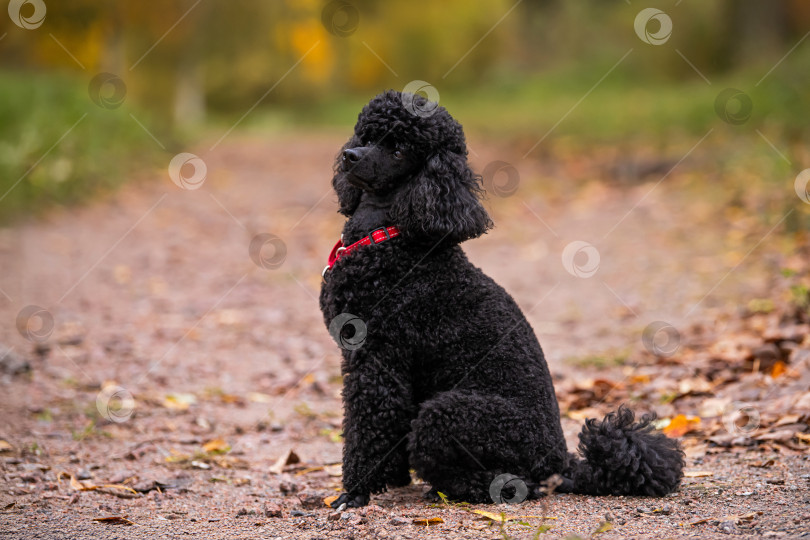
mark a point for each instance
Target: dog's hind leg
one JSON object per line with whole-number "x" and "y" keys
{"x": 462, "y": 443}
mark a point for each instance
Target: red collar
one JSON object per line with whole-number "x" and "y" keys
{"x": 376, "y": 236}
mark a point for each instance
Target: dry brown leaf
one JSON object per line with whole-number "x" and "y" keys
{"x": 739, "y": 518}
{"x": 697, "y": 474}
{"x": 114, "y": 520}
{"x": 681, "y": 424}
{"x": 309, "y": 470}
{"x": 288, "y": 458}
{"x": 803, "y": 437}
{"x": 788, "y": 419}
{"x": 330, "y": 499}
{"x": 5, "y": 446}
{"x": 216, "y": 445}
{"x": 428, "y": 521}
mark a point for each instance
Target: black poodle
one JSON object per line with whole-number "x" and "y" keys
{"x": 442, "y": 372}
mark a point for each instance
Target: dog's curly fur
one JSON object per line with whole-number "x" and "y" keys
{"x": 451, "y": 380}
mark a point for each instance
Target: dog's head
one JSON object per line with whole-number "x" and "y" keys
{"x": 410, "y": 153}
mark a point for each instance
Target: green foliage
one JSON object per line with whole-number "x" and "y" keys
{"x": 57, "y": 147}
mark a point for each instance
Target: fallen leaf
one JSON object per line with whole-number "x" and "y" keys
{"x": 680, "y": 425}
{"x": 216, "y": 445}
{"x": 5, "y": 446}
{"x": 309, "y": 470}
{"x": 640, "y": 379}
{"x": 697, "y": 474}
{"x": 503, "y": 518}
{"x": 604, "y": 527}
{"x": 288, "y": 458}
{"x": 803, "y": 437}
{"x": 779, "y": 367}
{"x": 330, "y": 499}
{"x": 782, "y": 435}
{"x": 428, "y": 521}
{"x": 739, "y": 518}
{"x": 258, "y": 397}
{"x": 699, "y": 522}
{"x": 10, "y": 505}
{"x": 114, "y": 520}
{"x": 179, "y": 402}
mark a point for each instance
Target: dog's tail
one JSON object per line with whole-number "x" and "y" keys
{"x": 624, "y": 457}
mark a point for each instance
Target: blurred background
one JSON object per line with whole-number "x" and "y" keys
{"x": 510, "y": 71}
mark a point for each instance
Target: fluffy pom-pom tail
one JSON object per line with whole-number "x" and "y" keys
{"x": 624, "y": 457}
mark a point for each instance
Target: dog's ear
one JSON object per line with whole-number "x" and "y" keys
{"x": 348, "y": 195}
{"x": 442, "y": 202}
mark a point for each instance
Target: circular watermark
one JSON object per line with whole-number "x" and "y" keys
{"x": 34, "y": 14}
{"x": 115, "y": 403}
{"x": 35, "y": 323}
{"x": 107, "y": 90}
{"x": 268, "y": 251}
{"x": 349, "y": 331}
{"x": 515, "y": 488}
{"x": 740, "y": 418}
{"x": 580, "y": 259}
{"x": 420, "y": 98}
{"x": 661, "y": 338}
{"x": 802, "y": 185}
{"x": 501, "y": 178}
{"x": 733, "y": 106}
{"x": 187, "y": 171}
{"x": 340, "y": 18}
{"x": 642, "y": 26}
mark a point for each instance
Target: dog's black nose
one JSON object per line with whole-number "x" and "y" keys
{"x": 353, "y": 155}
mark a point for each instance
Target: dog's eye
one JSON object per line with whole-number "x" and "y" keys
{"x": 398, "y": 154}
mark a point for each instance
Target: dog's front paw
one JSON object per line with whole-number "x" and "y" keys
{"x": 351, "y": 500}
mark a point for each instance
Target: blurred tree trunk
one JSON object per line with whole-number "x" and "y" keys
{"x": 757, "y": 29}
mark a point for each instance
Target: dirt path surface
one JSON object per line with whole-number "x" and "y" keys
{"x": 179, "y": 372}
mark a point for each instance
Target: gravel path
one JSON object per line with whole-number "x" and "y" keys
{"x": 216, "y": 366}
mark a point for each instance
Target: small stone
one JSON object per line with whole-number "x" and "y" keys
{"x": 666, "y": 509}
{"x": 346, "y": 516}
{"x": 311, "y": 499}
{"x": 621, "y": 521}
{"x": 300, "y": 513}
{"x": 83, "y": 474}
{"x": 643, "y": 510}
{"x": 246, "y": 512}
{"x": 334, "y": 516}
{"x": 608, "y": 516}
{"x": 288, "y": 488}
{"x": 272, "y": 510}
{"x": 726, "y": 526}
{"x": 398, "y": 521}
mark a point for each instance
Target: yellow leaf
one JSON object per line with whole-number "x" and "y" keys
{"x": 428, "y": 521}
{"x": 216, "y": 445}
{"x": 639, "y": 379}
{"x": 697, "y": 474}
{"x": 330, "y": 499}
{"x": 502, "y": 518}
{"x": 604, "y": 527}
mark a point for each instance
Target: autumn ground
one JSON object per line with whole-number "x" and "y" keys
{"x": 179, "y": 373}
